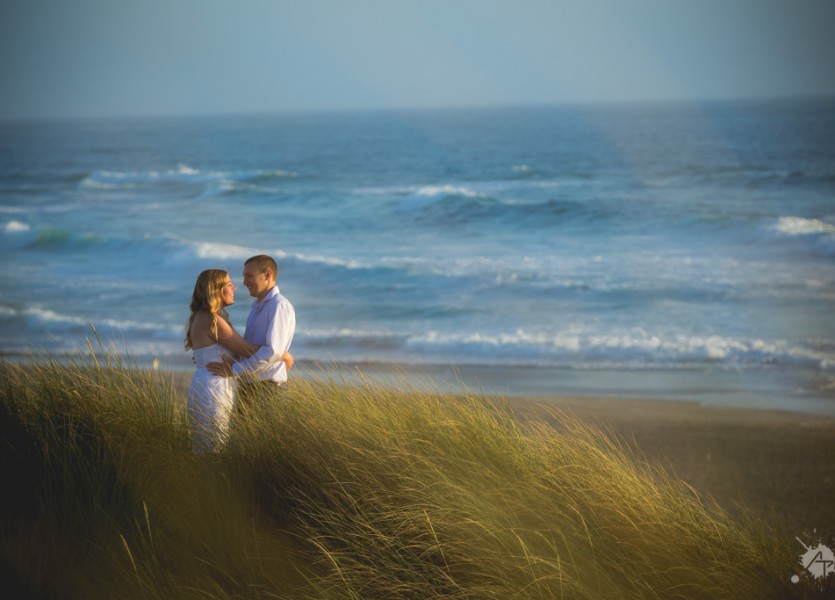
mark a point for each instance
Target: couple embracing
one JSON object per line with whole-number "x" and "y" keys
{"x": 231, "y": 368}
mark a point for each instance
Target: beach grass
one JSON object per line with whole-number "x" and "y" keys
{"x": 337, "y": 489}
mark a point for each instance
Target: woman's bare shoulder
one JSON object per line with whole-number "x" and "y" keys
{"x": 202, "y": 318}
{"x": 201, "y": 329}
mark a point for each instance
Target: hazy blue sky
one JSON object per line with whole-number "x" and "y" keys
{"x": 134, "y": 57}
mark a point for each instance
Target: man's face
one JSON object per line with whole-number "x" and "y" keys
{"x": 256, "y": 282}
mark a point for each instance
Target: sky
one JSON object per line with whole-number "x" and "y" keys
{"x": 87, "y": 58}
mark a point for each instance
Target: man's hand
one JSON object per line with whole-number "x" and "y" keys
{"x": 220, "y": 369}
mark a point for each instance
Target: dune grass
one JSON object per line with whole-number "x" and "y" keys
{"x": 334, "y": 490}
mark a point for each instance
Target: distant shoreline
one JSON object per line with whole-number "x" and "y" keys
{"x": 726, "y": 391}
{"x": 709, "y": 390}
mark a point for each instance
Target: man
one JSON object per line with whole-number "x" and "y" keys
{"x": 271, "y": 325}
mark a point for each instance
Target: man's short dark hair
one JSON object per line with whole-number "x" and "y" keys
{"x": 263, "y": 262}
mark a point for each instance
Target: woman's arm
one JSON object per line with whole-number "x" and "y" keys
{"x": 229, "y": 339}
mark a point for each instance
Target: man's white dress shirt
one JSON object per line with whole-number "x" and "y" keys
{"x": 271, "y": 324}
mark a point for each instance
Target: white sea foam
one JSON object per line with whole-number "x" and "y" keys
{"x": 626, "y": 347}
{"x": 16, "y": 227}
{"x": 223, "y": 251}
{"x": 423, "y": 197}
{"x": 821, "y": 233}
{"x": 102, "y": 185}
{"x": 347, "y": 333}
{"x": 56, "y": 320}
{"x": 282, "y": 173}
{"x": 183, "y": 173}
{"x": 17, "y": 235}
{"x": 803, "y": 226}
{"x": 447, "y": 190}
{"x": 221, "y": 187}
{"x": 184, "y": 169}
{"x": 328, "y": 260}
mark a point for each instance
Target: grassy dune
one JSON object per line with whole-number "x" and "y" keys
{"x": 341, "y": 491}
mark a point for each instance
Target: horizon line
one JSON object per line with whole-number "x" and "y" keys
{"x": 209, "y": 114}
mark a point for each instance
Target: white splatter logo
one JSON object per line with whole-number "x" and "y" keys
{"x": 818, "y": 561}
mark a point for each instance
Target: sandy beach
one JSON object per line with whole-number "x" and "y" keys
{"x": 778, "y": 464}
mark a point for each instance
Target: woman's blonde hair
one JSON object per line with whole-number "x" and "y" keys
{"x": 207, "y": 296}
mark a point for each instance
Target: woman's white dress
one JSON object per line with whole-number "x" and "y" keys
{"x": 210, "y": 402}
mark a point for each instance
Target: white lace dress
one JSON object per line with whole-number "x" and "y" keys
{"x": 210, "y": 402}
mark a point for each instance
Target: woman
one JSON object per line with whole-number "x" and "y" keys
{"x": 210, "y": 336}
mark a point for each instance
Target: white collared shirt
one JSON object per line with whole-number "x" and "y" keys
{"x": 271, "y": 324}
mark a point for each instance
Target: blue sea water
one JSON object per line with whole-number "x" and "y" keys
{"x": 682, "y": 251}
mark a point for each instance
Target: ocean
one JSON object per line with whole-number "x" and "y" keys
{"x": 680, "y": 251}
